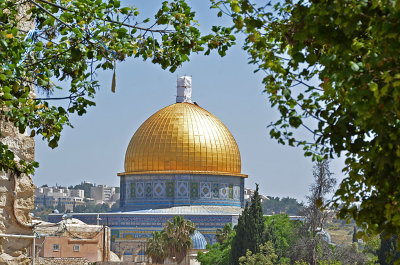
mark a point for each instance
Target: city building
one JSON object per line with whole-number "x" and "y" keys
{"x": 181, "y": 161}
{"x": 248, "y": 193}
{"x": 72, "y": 238}
{"x": 58, "y": 197}
{"x": 103, "y": 194}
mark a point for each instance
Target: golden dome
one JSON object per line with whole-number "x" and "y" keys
{"x": 183, "y": 138}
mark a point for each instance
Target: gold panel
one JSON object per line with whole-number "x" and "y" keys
{"x": 186, "y": 138}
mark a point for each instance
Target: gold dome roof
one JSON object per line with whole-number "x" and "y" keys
{"x": 183, "y": 138}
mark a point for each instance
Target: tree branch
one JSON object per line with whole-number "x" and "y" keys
{"x": 110, "y": 20}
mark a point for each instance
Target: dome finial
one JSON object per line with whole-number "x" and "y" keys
{"x": 184, "y": 89}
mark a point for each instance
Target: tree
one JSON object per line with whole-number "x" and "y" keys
{"x": 355, "y": 239}
{"x": 281, "y": 232}
{"x": 249, "y": 230}
{"x": 86, "y": 187}
{"x": 310, "y": 239}
{"x": 371, "y": 247}
{"x": 115, "y": 206}
{"x": 266, "y": 256}
{"x": 222, "y": 234}
{"x": 155, "y": 248}
{"x": 388, "y": 253}
{"x": 276, "y": 205}
{"x": 218, "y": 254}
{"x": 176, "y": 237}
{"x": 72, "y": 41}
{"x": 331, "y": 69}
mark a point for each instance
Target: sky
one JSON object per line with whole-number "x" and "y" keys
{"x": 94, "y": 150}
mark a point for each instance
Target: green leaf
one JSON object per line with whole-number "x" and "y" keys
{"x": 354, "y": 66}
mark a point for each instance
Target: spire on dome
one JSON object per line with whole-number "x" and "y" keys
{"x": 184, "y": 89}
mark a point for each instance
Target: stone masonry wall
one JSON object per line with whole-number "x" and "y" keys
{"x": 16, "y": 195}
{"x": 62, "y": 261}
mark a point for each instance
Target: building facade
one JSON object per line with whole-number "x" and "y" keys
{"x": 71, "y": 238}
{"x": 181, "y": 161}
{"x": 58, "y": 196}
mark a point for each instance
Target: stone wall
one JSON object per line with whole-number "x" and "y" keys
{"x": 16, "y": 194}
{"x": 62, "y": 261}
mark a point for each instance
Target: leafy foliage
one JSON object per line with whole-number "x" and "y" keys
{"x": 281, "y": 232}
{"x": 92, "y": 208}
{"x": 331, "y": 69}
{"x": 223, "y": 234}
{"x": 276, "y": 205}
{"x": 173, "y": 241}
{"x": 74, "y": 40}
{"x": 218, "y": 254}
{"x": 155, "y": 248}
{"x": 388, "y": 253}
{"x": 311, "y": 244}
{"x": 249, "y": 230}
{"x": 177, "y": 237}
{"x": 86, "y": 187}
{"x": 266, "y": 256}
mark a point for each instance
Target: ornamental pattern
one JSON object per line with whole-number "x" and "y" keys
{"x": 159, "y": 189}
{"x": 170, "y": 189}
{"x": 205, "y": 190}
{"x": 215, "y": 190}
{"x": 230, "y": 194}
{"x": 182, "y": 189}
{"x": 236, "y": 192}
{"x": 223, "y": 191}
{"x": 133, "y": 190}
{"x": 148, "y": 190}
{"x": 194, "y": 189}
{"x": 139, "y": 189}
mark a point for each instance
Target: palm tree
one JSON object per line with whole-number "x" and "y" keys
{"x": 222, "y": 234}
{"x": 176, "y": 235}
{"x": 155, "y": 248}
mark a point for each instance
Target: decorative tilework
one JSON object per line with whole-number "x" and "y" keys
{"x": 205, "y": 190}
{"x": 182, "y": 189}
{"x": 133, "y": 189}
{"x": 223, "y": 191}
{"x": 114, "y": 235}
{"x": 159, "y": 189}
{"x": 139, "y": 189}
{"x": 170, "y": 189}
{"x": 236, "y": 192}
{"x": 148, "y": 190}
{"x": 215, "y": 190}
{"x": 194, "y": 189}
{"x": 230, "y": 191}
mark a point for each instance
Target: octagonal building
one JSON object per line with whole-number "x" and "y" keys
{"x": 182, "y": 156}
{"x": 181, "y": 161}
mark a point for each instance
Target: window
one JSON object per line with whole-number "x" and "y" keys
{"x": 76, "y": 248}
{"x": 55, "y": 247}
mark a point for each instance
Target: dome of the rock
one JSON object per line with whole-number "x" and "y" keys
{"x": 182, "y": 156}
{"x": 183, "y": 137}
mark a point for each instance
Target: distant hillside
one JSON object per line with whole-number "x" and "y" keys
{"x": 276, "y": 205}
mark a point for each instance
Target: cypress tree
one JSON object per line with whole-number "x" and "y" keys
{"x": 355, "y": 240}
{"x": 249, "y": 230}
{"x": 256, "y": 212}
{"x": 388, "y": 253}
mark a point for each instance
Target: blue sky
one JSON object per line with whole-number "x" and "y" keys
{"x": 94, "y": 149}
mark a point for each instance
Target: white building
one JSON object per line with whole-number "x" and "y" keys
{"x": 58, "y": 196}
{"x": 102, "y": 194}
{"x": 248, "y": 193}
